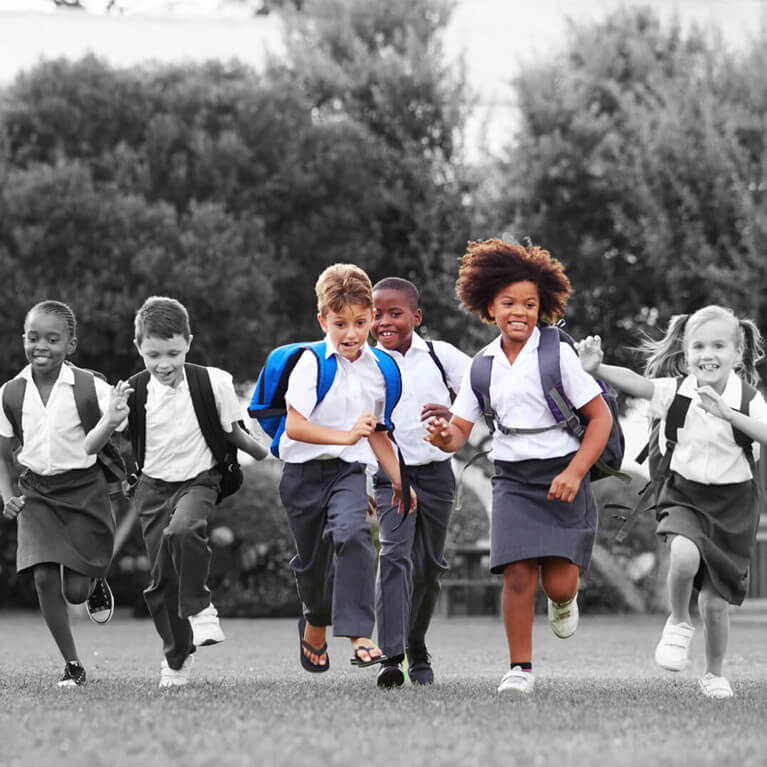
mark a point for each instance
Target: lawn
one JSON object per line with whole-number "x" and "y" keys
{"x": 598, "y": 699}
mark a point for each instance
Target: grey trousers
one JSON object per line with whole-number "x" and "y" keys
{"x": 326, "y": 503}
{"x": 174, "y": 523}
{"x": 411, "y": 561}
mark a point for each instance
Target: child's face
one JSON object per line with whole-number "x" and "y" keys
{"x": 515, "y": 311}
{"x": 47, "y": 342}
{"x": 394, "y": 319}
{"x": 348, "y": 329}
{"x": 164, "y": 357}
{"x": 712, "y": 352}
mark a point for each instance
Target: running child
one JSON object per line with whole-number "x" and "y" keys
{"x": 178, "y": 485}
{"x": 707, "y": 504}
{"x": 65, "y": 523}
{"x": 327, "y": 448}
{"x": 544, "y": 516}
{"x": 411, "y": 560}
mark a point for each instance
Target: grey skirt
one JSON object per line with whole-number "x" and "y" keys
{"x": 67, "y": 519}
{"x": 721, "y": 520}
{"x": 525, "y": 525}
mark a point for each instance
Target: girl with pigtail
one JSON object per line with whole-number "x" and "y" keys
{"x": 701, "y": 376}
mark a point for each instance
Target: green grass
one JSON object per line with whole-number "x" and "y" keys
{"x": 598, "y": 701}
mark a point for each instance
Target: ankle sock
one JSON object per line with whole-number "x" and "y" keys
{"x": 524, "y": 666}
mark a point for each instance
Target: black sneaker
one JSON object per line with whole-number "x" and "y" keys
{"x": 390, "y": 674}
{"x": 419, "y": 665}
{"x": 74, "y": 675}
{"x": 100, "y": 604}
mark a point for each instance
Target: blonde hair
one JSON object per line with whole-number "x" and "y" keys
{"x": 341, "y": 285}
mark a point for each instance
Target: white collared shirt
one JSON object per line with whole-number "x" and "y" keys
{"x": 517, "y": 397}
{"x": 358, "y": 388}
{"x": 54, "y": 438}
{"x": 175, "y": 448}
{"x": 706, "y": 450}
{"x": 421, "y": 383}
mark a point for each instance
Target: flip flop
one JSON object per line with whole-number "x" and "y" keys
{"x": 357, "y": 661}
{"x": 306, "y": 663}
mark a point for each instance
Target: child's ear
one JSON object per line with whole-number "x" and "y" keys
{"x": 417, "y": 317}
{"x": 71, "y": 346}
{"x": 323, "y": 322}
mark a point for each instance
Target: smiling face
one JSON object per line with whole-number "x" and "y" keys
{"x": 515, "y": 311}
{"x": 394, "y": 318}
{"x": 348, "y": 329}
{"x": 47, "y": 342}
{"x": 712, "y": 351}
{"x": 164, "y": 357}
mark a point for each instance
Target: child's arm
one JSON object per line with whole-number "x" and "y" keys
{"x": 245, "y": 442}
{"x": 384, "y": 452}
{"x": 448, "y": 435}
{"x": 116, "y": 413}
{"x": 12, "y": 503}
{"x": 591, "y": 355}
{"x": 300, "y": 429}
{"x": 712, "y": 403}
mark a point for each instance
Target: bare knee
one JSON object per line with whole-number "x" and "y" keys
{"x": 713, "y": 606}
{"x": 520, "y": 577}
{"x": 47, "y": 579}
{"x": 76, "y": 588}
{"x": 560, "y": 582}
{"x": 684, "y": 556}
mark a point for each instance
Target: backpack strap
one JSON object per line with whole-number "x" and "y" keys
{"x": 204, "y": 403}
{"x": 13, "y": 401}
{"x": 137, "y": 418}
{"x": 441, "y": 368}
{"x": 551, "y": 380}
{"x": 86, "y": 399}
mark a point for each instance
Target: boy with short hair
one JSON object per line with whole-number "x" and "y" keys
{"x": 327, "y": 447}
{"x": 179, "y": 483}
{"x": 411, "y": 560}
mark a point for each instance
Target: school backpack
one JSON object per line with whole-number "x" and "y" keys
{"x": 109, "y": 458}
{"x": 660, "y": 463}
{"x": 566, "y": 416}
{"x": 204, "y": 404}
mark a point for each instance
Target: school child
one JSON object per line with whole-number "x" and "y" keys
{"x": 707, "y": 503}
{"x": 411, "y": 560}
{"x": 65, "y": 523}
{"x": 178, "y": 485}
{"x": 544, "y": 516}
{"x": 327, "y": 448}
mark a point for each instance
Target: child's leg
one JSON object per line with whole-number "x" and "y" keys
{"x": 76, "y": 586}
{"x": 559, "y": 578}
{"x": 47, "y": 579}
{"x": 715, "y": 611}
{"x": 684, "y": 561}
{"x": 520, "y": 581}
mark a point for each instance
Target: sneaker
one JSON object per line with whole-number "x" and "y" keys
{"x": 419, "y": 665}
{"x": 672, "y": 650}
{"x": 390, "y": 674}
{"x": 205, "y": 627}
{"x": 715, "y": 686}
{"x": 517, "y": 681}
{"x": 100, "y": 605}
{"x": 74, "y": 675}
{"x": 171, "y": 677}
{"x": 563, "y": 617}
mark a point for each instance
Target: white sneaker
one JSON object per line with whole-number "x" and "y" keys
{"x": 673, "y": 648}
{"x": 563, "y": 617}
{"x": 715, "y": 686}
{"x": 171, "y": 677}
{"x": 517, "y": 680}
{"x": 206, "y": 629}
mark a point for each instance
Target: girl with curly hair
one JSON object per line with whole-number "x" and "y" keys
{"x": 544, "y": 516}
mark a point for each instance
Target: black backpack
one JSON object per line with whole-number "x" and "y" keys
{"x": 204, "y": 403}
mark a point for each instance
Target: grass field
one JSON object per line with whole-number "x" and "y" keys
{"x": 599, "y": 700}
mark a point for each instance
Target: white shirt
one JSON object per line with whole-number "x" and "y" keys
{"x": 358, "y": 388}
{"x": 54, "y": 438}
{"x": 421, "y": 383}
{"x": 517, "y": 397}
{"x": 706, "y": 450}
{"x": 175, "y": 448}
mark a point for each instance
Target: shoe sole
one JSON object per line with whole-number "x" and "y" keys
{"x": 390, "y": 677}
{"x": 209, "y": 642}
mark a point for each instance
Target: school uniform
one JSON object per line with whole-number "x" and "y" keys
{"x": 323, "y": 490}
{"x": 710, "y": 496}
{"x": 67, "y": 518}
{"x": 175, "y": 497}
{"x": 411, "y": 560}
{"x": 524, "y": 524}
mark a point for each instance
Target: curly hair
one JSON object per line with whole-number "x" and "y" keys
{"x": 341, "y": 285}
{"x": 490, "y": 265}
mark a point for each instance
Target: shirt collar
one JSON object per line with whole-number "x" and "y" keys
{"x": 495, "y": 349}
{"x": 330, "y": 350}
{"x": 158, "y": 388}
{"x": 66, "y": 376}
{"x": 416, "y": 343}
{"x": 731, "y": 394}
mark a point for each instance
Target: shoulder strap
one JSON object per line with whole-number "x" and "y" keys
{"x": 438, "y": 363}
{"x": 204, "y": 403}
{"x": 393, "y": 381}
{"x": 551, "y": 379}
{"x": 480, "y": 370}
{"x": 137, "y": 416}
{"x": 86, "y": 399}
{"x": 13, "y": 400}
{"x": 676, "y": 414}
{"x": 747, "y": 393}
{"x": 326, "y": 368}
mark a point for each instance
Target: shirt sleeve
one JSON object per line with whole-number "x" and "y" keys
{"x": 229, "y": 409}
{"x": 455, "y": 362}
{"x": 6, "y": 430}
{"x": 664, "y": 390}
{"x": 466, "y": 405}
{"x": 302, "y": 385}
{"x": 580, "y": 386}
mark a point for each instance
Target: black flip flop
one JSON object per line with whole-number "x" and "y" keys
{"x": 355, "y": 660}
{"x": 306, "y": 663}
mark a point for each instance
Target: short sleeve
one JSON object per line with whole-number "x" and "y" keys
{"x": 580, "y": 386}
{"x": 466, "y": 405}
{"x": 664, "y": 390}
{"x": 301, "y": 394}
{"x": 6, "y": 430}
{"x": 229, "y": 409}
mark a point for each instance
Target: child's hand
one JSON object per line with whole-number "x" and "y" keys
{"x": 365, "y": 426}
{"x": 712, "y": 403}
{"x": 433, "y": 410}
{"x": 13, "y": 506}
{"x": 590, "y": 353}
{"x": 118, "y": 402}
{"x": 438, "y": 432}
{"x": 396, "y": 499}
{"x": 564, "y": 487}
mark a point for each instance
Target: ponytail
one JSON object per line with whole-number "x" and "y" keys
{"x": 665, "y": 358}
{"x": 752, "y": 351}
